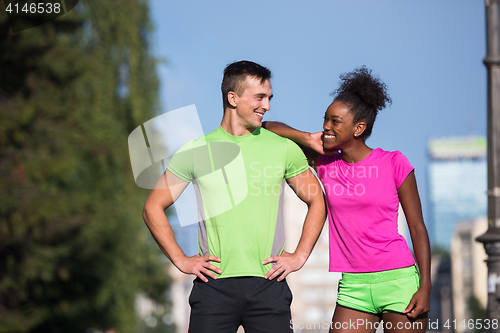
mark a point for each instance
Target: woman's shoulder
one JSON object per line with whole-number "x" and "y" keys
{"x": 395, "y": 158}
{"x": 387, "y": 154}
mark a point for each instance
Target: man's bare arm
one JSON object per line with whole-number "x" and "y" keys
{"x": 167, "y": 190}
{"x": 308, "y": 189}
{"x": 310, "y": 143}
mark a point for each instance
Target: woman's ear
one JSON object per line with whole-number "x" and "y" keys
{"x": 359, "y": 128}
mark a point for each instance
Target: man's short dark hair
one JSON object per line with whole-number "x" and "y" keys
{"x": 237, "y": 72}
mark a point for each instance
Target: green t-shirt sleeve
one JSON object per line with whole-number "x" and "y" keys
{"x": 296, "y": 161}
{"x": 182, "y": 164}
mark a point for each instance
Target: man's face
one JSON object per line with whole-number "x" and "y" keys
{"x": 253, "y": 103}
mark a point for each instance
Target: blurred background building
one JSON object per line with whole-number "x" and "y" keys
{"x": 468, "y": 271}
{"x": 457, "y": 175}
{"x": 457, "y": 185}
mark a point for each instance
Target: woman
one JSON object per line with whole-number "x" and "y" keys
{"x": 364, "y": 188}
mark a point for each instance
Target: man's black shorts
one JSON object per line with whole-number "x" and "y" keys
{"x": 222, "y": 305}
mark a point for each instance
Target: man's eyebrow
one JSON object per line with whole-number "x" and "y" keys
{"x": 263, "y": 95}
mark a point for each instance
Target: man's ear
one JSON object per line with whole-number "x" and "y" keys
{"x": 232, "y": 98}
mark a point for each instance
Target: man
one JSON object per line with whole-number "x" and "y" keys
{"x": 238, "y": 172}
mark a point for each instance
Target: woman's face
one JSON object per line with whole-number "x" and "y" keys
{"x": 338, "y": 127}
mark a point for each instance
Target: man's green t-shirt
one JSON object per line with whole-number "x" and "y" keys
{"x": 239, "y": 184}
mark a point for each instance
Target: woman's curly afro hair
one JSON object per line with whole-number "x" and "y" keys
{"x": 365, "y": 96}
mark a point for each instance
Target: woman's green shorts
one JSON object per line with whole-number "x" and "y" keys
{"x": 378, "y": 292}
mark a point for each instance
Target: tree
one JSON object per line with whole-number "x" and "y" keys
{"x": 73, "y": 249}
{"x": 478, "y": 313}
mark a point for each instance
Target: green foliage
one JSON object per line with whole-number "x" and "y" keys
{"x": 74, "y": 251}
{"x": 477, "y": 311}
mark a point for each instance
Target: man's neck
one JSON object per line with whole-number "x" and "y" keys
{"x": 231, "y": 125}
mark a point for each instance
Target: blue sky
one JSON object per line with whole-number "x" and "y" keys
{"x": 428, "y": 52}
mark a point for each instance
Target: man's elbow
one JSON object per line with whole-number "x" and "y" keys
{"x": 153, "y": 209}
{"x": 146, "y": 212}
{"x": 319, "y": 204}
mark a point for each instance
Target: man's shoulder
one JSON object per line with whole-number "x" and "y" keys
{"x": 273, "y": 137}
{"x": 280, "y": 146}
{"x": 199, "y": 141}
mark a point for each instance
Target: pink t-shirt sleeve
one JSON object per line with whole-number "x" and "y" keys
{"x": 401, "y": 168}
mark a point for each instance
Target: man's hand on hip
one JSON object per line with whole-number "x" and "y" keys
{"x": 199, "y": 266}
{"x": 285, "y": 264}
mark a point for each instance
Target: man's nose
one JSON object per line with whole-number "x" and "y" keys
{"x": 266, "y": 104}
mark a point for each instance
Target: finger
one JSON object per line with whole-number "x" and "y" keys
{"x": 211, "y": 258}
{"x": 283, "y": 276}
{"x": 276, "y": 273}
{"x": 270, "y": 272}
{"x": 413, "y": 315}
{"x": 415, "y": 312}
{"x": 201, "y": 276}
{"x": 411, "y": 306}
{"x": 269, "y": 260}
{"x": 213, "y": 268}
{"x": 418, "y": 311}
{"x": 209, "y": 273}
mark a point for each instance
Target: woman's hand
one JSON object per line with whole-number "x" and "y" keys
{"x": 419, "y": 304}
{"x": 316, "y": 143}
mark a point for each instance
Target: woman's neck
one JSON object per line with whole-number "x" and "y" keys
{"x": 355, "y": 153}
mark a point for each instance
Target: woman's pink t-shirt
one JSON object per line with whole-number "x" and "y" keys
{"x": 363, "y": 202}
